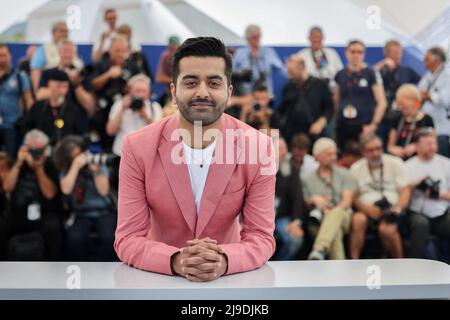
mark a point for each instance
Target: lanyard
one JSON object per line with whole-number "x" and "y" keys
{"x": 411, "y": 129}
{"x": 378, "y": 184}
{"x": 329, "y": 184}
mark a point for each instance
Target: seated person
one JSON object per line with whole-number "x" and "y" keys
{"x": 429, "y": 177}
{"x": 381, "y": 198}
{"x": 409, "y": 121}
{"x": 86, "y": 184}
{"x": 290, "y": 208}
{"x": 35, "y": 202}
{"x": 350, "y": 154}
{"x": 329, "y": 190}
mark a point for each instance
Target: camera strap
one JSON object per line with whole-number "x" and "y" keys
{"x": 378, "y": 184}
{"x": 411, "y": 129}
{"x": 329, "y": 185}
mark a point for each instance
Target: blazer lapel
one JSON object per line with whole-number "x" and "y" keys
{"x": 172, "y": 158}
{"x": 219, "y": 175}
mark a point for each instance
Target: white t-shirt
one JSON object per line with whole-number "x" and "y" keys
{"x": 369, "y": 187}
{"x": 132, "y": 121}
{"x": 106, "y": 42}
{"x": 309, "y": 165}
{"x": 334, "y": 64}
{"x": 198, "y": 161}
{"x": 437, "y": 169}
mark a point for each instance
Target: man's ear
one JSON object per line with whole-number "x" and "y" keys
{"x": 230, "y": 91}
{"x": 173, "y": 91}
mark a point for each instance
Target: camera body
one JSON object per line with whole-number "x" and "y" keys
{"x": 385, "y": 207}
{"x": 428, "y": 184}
{"x": 36, "y": 153}
{"x": 136, "y": 104}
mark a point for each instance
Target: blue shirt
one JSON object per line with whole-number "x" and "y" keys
{"x": 39, "y": 60}
{"x": 356, "y": 90}
{"x": 10, "y": 97}
{"x": 92, "y": 200}
{"x": 267, "y": 61}
{"x": 392, "y": 80}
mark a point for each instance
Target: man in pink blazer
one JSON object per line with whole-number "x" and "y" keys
{"x": 199, "y": 219}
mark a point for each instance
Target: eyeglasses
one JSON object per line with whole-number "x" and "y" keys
{"x": 357, "y": 51}
{"x": 374, "y": 149}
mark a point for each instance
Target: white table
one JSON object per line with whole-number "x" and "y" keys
{"x": 347, "y": 279}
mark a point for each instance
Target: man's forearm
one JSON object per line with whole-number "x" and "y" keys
{"x": 46, "y": 185}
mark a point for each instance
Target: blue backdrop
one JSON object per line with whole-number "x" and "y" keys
{"x": 373, "y": 55}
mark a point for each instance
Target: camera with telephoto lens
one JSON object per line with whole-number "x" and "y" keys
{"x": 385, "y": 208}
{"x": 101, "y": 159}
{"x": 136, "y": 104}
{"x": 428, "y": 184}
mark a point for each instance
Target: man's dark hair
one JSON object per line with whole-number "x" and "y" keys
{"x": 259, "y": 86}
{"x": 352, "y": 148}
{"x": 315, "y": 29}
{"x": 109, "y": 10}
{"x": 300, "y": 141}
{"x": 202, "y": 47}
{"x": 438, "y": 53}
{"x": 355, "y": 41}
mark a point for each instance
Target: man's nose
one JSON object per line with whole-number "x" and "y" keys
{"x": 202, "y": 91}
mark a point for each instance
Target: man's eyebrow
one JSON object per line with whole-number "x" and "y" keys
{"x": 190, "y": 77}
{"x": 194, "y": 77}
{"x": 215, "y": 77}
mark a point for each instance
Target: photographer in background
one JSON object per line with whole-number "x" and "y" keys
{"x": 86, "y": 184}
{"x": 307, "y": 105}
{"x": 382, "y": 196}
{"x": 133, "y": 112}
{"x": 56, "y": 116}
{"x": 35, "y": 203}
{"x": 429, "y": 176}
{"x": 434, "y": 87}
{"x": 329, "y": 191}
{"x": 260, "y": 112}
{"x": 259, "y": 59}
{"x": 109, "y": 83}
{"x": 405, "y": 125}
{"x": 78, "y": 92}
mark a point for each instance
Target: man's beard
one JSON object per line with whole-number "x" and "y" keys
{"x": 208, "y": 117}
{"x": 376, "y": 163}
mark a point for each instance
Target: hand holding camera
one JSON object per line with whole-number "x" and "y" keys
{"x": 430, "y": 187}
{"x": 115, "y": 72}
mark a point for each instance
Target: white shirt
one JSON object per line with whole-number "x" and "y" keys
{"x": 438, "y": 85}
{"x": 334, "y": 64}
{"x": 369, "y": 187}
{"x": 309, "y": 165}
{"x": 194, "y": 159}
{"x": 132, "y": 121}
{"x": 437, "y": 169}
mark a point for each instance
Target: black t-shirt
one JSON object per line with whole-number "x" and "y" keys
{"x": 46, "y": 118}
{"x": 406, "y": 130}
{"x": 302, "y": 104}
{"x": 116, "y": 86}
{"x": 356, "y": 90}
{"x": 27, "y": 190}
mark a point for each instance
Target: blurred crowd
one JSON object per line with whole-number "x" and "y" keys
{"x": 364, "y": 167}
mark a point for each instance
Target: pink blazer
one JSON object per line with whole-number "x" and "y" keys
{"x": 157, "y": 212}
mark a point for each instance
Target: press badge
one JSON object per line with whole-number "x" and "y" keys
{"x": 350, "y": 112}
{"x": 363, "y": 82}
{"x": 34, "y": 212}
